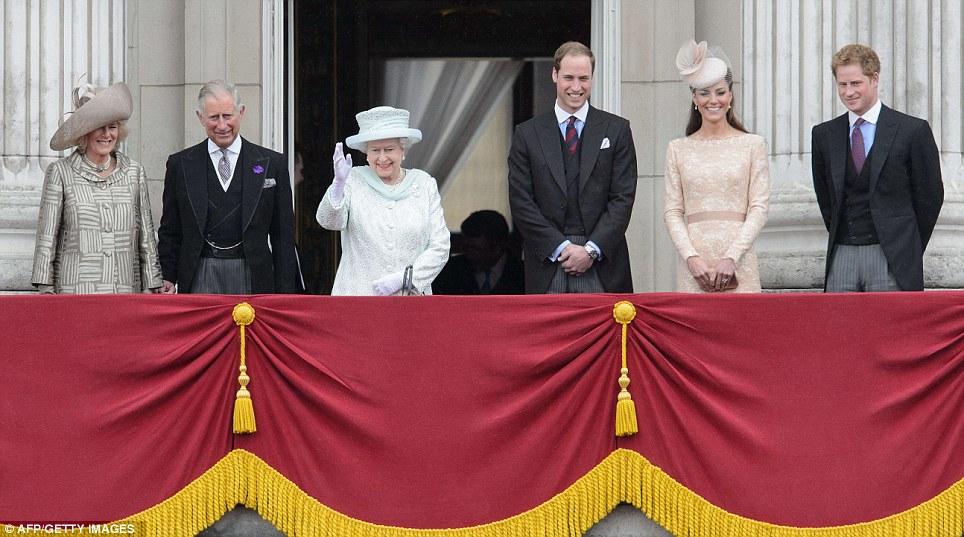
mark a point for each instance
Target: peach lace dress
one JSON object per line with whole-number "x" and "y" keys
{"x": 717, "y": 196}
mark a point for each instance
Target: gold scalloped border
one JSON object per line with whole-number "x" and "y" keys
{"x": 624, "y": 476}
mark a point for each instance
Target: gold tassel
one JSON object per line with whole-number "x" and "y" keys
{"x": 243, "y": 315}
{"x": 626, "y": 425}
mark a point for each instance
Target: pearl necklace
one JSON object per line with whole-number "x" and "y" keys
{"x": 99, "y": 168}
{"x": 399, "y": 179}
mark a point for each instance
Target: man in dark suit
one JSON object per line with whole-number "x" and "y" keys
{"x": 572, "y": 183}
{"x": 224, "y": 200}
{"x": 486, "y": 266}
{"x": 877, "y": 176}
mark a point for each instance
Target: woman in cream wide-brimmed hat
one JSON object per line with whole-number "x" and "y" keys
{"x": 717, "y": 182}
{"x": 95, "y": 232}
{"x": 390, "y": 217}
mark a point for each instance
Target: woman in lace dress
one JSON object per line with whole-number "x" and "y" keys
{"x": 390, "y": 218}
{"x": 717, "y": 183}
{"x": 95, "y": 233}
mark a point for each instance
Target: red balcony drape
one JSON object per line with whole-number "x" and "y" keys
{"x": 450, "y": 412}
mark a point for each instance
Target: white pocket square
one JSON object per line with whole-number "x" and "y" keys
{"x": 605, "y": 144}
{"x": 269, "y": 182}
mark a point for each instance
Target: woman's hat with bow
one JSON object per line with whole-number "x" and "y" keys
{"x": 701, "y": 67}
{"x": 93, "y": 108}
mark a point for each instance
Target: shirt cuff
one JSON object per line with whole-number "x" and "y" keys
{"x": 555, "y": 255}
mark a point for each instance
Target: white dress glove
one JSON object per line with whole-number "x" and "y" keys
{"x": 342, "y": 166}
{"x": 388, "y": 285}
{"x": 44, "y": 289}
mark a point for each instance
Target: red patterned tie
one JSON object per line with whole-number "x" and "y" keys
{"x": 857, "y": 146}
{"x": 572, "y": 137}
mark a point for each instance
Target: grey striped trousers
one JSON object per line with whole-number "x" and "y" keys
{"x": 222, "y": 277}
{"x": 860, "y": 269}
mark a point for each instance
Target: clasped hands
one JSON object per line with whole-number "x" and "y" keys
{"x": 574, "y": 259}
{"x": 711, "y": 277}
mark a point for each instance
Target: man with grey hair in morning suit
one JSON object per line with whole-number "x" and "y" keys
{"x": 227, "y": 226}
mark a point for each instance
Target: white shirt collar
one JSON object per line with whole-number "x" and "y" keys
{"x": 233, "y": 154}
{"x": 870, "y": 116}
{"x": 562, "y": 116}
{"x": 234, "y": 148}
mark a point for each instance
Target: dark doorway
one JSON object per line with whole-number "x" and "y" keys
{"x": 339, "y": 43}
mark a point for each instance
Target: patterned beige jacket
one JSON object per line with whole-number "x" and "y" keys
{"x": 95, "y": 235}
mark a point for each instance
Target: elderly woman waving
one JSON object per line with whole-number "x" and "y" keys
{"x": 95, "y": 233}
{"x": 393, "y": 234}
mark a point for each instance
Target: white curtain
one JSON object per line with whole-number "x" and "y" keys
{"x": 449, "y": 101}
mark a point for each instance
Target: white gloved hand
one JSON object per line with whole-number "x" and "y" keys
{"x": 388, "y": 285}
{"x": 342, "y": 167}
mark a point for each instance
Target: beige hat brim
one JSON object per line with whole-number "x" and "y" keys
{"x": 359, "y": 140}
{"x": 112, "y": 104}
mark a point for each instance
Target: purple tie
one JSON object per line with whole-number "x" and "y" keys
{"x": 572, "y": 137}
{"x": 857, "y": 146}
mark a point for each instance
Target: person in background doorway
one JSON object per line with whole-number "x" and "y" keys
{"x": 486, "y": 266}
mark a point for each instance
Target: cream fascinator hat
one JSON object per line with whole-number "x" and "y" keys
{"x": 699, "y": 67}
{"x": 382, "y": 123}
{"x": 93, "y": 108}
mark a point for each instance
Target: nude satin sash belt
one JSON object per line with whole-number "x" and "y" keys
{"x": 715, "y": 215}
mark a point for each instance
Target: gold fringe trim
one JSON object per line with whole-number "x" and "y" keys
{"x": 624, "y": 476}
{"x": 244, "y": 423}
{"x": 626, "y": 425}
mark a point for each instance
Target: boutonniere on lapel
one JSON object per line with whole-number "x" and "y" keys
{"x": 605, "y": 143}
{"x": 257, "y": 169}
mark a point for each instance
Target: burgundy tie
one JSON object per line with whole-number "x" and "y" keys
{"x": 857, "y": 146}
{"x": 572, "y": 137}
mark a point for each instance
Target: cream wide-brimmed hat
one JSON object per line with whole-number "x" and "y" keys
{"x": 699, "y": 67}
{"x": 382, "y": 123}
{"x": 105, "y": 105}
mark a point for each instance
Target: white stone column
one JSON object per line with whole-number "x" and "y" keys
{"x": 606, "y": 46}
{"x": 272, "y": 76}
{"x": 656, "y": 105}
{"x": 789, "y": 88}
{"x": 48, "y": 47}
